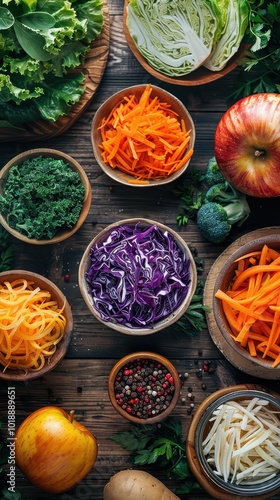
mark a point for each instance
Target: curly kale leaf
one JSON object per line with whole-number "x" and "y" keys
{"x": 42, "y": 196}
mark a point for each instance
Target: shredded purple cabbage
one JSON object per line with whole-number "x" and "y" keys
{"x": 137, "y": 276}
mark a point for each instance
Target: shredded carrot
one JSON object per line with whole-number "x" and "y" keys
{"x": 252, "y": 304}
{"x": 31, "y": 325}
{"x": 144, "y": 138}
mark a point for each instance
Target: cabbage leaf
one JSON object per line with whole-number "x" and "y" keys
{"x": 137, "y": 276}
{"x": 175, "y": 36}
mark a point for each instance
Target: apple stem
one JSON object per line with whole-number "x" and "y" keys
{"x": 259, "y": 152}
{"x": 72, "y": 415}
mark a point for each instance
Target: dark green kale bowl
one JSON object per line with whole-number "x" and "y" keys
{"x": 45, "y": 196}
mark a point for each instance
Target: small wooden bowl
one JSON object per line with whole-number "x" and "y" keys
{"x": 105, "y": 109}
{"x": 200, "y": 422}
{"x": 199, "y": 76}
{"x": 130, "y": 360}
{"x": 62, "y": 346}
{"x": 223, "y": 279}
{"x": 74, "y": 165}
{"x": 159, "y": 325}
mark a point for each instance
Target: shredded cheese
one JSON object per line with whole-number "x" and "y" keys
{"x": 31, "y": 325}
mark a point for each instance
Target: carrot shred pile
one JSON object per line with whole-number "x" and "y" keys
{"x": 144, "y": 138}
{"x": 31, "y": 325}
{"x": 252, "y": 304}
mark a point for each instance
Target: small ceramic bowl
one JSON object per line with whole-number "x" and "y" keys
{"x": 198, "y": 456}
{"x": 22, "y": 375}
{"x": 62, "y": 234}
{"x": 131, "y": 387}
{"x": 223, "y": 279}
{"x": 103, "y": 112}
{"x": 200, "y": 76}
{"x": 115, "y": 273}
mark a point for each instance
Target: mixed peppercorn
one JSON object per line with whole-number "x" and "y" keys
{"x": 144, "y": 388}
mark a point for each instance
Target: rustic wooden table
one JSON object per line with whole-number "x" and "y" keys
{"x": 80, "y": 381}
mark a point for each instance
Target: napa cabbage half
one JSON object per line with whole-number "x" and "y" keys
{"x": 235, "y": 24}
{"x": 178, "y": 36}
{"x": 175, "y": 36}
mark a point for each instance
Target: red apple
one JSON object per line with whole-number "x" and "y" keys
{"x": 247, "y": 145}
{"x": 53, "y": 450}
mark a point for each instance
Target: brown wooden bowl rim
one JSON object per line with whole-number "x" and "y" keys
{"x": 146, "y": 355}
{"x": 62, "y": 346}
{"x": 114, "y": 173}
{"x": 164, "y": 323}
{"x": 74, "y": 165}
{"x": 200, "y": 76}
{"x": 224, "y": 276}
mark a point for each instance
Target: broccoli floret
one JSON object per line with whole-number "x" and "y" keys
{"x": 213, "y": 174}
{"x": 215, "y": 220}
{"x": 223, "y": 192}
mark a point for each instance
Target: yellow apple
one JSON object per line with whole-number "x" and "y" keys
{"x": 54, "y": 451}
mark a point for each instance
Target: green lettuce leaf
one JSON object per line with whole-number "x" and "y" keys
{"x": 59, "y": 96}
{"x": 40, "y": 43}
{"x": 11, "y": 92}
{"x": 56, "y": 100}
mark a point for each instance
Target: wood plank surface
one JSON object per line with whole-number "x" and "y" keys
{"x": 80, "y": 381}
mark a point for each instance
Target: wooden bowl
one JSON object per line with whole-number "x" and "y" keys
{"x": 200, "y": 76}
{"x": 105, "y": 109}
{"x": 61, "y": 348}
{"x": 247, "y": 363}
{"x": 132, "y": 361}
{"x": 160, "y": 324}
{"x": 61, "y": 235}
{"x": 200, "y": 425}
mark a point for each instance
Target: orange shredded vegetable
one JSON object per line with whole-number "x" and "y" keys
{"x": 31, "y": 325}
{"x": 144, "y": 138}
{"x": 252, "y": 304}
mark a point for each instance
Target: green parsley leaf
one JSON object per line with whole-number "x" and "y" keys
{"x": 162, "y": 446}
{"x": 261, "y": 63}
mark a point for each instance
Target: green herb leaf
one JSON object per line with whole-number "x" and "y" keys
{"x": 162, "y": 446}
{"x": 194, "y": 319}
{"x": 191, "y": 197}
{"x": 261, "y": 63}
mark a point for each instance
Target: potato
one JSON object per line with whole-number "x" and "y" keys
{"x": 136, "y": 485}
